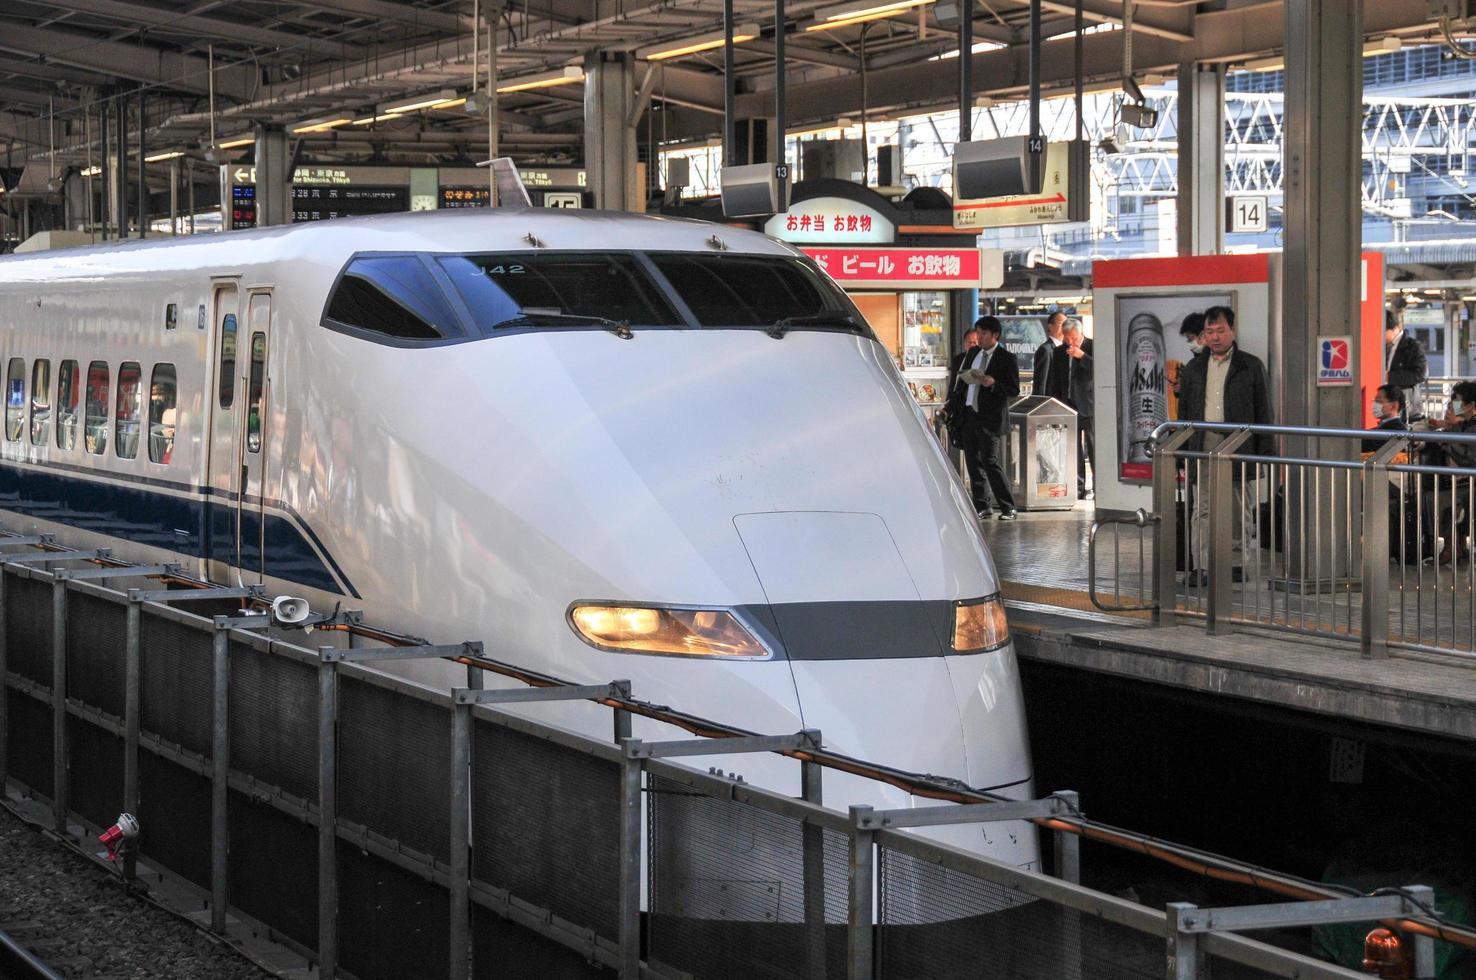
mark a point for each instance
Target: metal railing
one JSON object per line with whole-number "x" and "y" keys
{"x": 1142, "y": 587}
{"x": 286, "y": 754}
{"x": 1317, "y": 535}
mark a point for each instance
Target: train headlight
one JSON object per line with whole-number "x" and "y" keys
{"x": 666, "y": 631}
{"x": 980, "y": 624}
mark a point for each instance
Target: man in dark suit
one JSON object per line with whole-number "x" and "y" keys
{"x": 1040, "y": 378}
{"x": 1072, "y": 364}
{"x": 953, "y": 404}
{"x": 1389, "y": 408}
{"x": 988, "y": 378}
{"x": 1230, "y": 386}
{"x": 1404, "y": 360}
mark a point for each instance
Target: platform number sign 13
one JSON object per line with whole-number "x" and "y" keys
{"x": 1247, "y": 214}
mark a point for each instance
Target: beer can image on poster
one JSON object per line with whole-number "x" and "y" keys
{"x": 1145, "y": 398}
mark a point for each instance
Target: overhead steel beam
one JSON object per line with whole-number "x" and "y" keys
{"x": 1102, "y": 14}
{"x": 399, "y": 12}
{"x": 204, "y": 27}
{"x": 30, "y": 68}
{"x": 1227, "y": 35}
{"x": 132, "y": 61}
{"x": 806, "y": 55}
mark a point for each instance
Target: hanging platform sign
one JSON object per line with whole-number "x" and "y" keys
{"x": 1052, "y": 205}
{"x": 823, "y": 220}
{"x": 911, "y": 268}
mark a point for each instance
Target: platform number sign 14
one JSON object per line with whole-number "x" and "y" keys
{"x": 1247, "y": 214}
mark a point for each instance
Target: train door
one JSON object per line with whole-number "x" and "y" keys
{"x": 255, "y": 417}
{"x": 225, "y": 433}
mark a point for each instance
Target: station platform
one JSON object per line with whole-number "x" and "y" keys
{"x": 1042, "y": 562}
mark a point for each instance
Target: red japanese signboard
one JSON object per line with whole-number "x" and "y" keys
{"x": 902, "y": 268}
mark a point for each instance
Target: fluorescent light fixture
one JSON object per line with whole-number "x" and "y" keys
{"x": 171, "y": 155}
{"x": 321, "y": 125}
{"x": 1384, "y": 45}
{"x": 694, "y": 45}
{"x": 235, "y": 142}
{"x": 831, "y": 25}
{"x": 92, "y": 172}
{"x": 418, "y": 102}
{"x": 374, "y": 119}
{"x": 867, "y": 9}
{"x": 978, "y": 47}
{"x": 450, "y": 103}
{"x": 568, "y": 75}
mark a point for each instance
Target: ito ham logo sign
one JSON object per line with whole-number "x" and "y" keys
{"x": 1335, "y": 366}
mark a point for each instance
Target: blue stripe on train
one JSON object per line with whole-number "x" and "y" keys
{"x": 144, "y": 515}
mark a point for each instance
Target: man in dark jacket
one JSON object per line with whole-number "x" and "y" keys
{"x": 1040, "y": 379}
{"x": 1072, "y": 362}
{"x": 953, "y": 403}
{"x": 988, "y": 378}
{"x": 1404, "y": 359}
{"x": 1389, "y": 408}
{"x": 1230, "y": 386}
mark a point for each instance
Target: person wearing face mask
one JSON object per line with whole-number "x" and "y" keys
{"x": 1454, "y": 522}
{"x": 1192, "y": 330}
{"x": 1389, "y": 408}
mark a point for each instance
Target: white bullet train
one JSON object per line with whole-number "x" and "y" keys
{"x": 608, "y": 445}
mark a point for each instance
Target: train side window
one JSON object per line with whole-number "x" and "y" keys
{"x": 40, "y": 401}
{"x": 162, "y": 397}
{"x": 15, "y": 399}
{"x": 130, "y": 406}
{"x": 95, "y": 433}
{"x": 254, "y": 396}
{"x": 227, "y": 360}
{"x": 394, "y": 295}
{"x": 68, "y": 395}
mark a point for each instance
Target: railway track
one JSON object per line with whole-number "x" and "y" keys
{"x": 64, "y": 915}
{"x": 17, "y": 960}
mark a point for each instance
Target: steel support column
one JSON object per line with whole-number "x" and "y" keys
{"x": 609, "y": 143}
{"x": 273, "y": 179}
{"x": 1321, "y": 273}
{"x": 1201, "y": 159}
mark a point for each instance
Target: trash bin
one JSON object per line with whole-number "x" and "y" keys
{"x": 1042, "y": 449}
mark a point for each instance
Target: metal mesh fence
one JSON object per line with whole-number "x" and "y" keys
{"x": 274, "y": 720}
{"x": 394, "y": 766}
{"x": 274, "y": 868}
{"x": 96, "y": 630}
{"x": 936, "y": 923}
{"x": 546, "y": 825}
{"x": 176, "y": 685}
{"x": 30, "y": 741}
{"x": 392, "y": 924}
{"x": 174, "y": 812}
{"x": 28, "y": 628}
{"x": 1216, "y": 968}
{"x": 504, "y": 950}
{"x": 94, "y": 762}
{"x": 728, "y": 893}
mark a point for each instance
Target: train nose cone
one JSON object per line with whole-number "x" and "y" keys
{"x": 866, "y": 652}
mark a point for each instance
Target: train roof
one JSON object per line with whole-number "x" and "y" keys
{"x": 333, "y": 242}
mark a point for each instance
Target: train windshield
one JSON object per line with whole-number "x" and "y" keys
{"x": 753, "y": 290}
{"x": 554, "y": 289}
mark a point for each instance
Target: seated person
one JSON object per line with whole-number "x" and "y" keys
{"x": 1454, "y": 522}
{"x": 1388, "y": 408}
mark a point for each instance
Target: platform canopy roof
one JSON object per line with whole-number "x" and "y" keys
{"x": 245, "y": 63}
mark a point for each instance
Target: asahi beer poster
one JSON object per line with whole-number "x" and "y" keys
{"x": 1152, "y": 355}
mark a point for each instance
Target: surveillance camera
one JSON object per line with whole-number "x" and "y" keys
{"x": 1139, "y": 115}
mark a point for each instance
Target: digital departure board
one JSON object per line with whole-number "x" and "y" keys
{"x": 466, "y": 197}
{"x": 323, "y": 203}
{"x": 243, "y": 206}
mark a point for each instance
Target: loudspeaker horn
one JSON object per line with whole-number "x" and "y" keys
{"x": 290, "y": 610}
